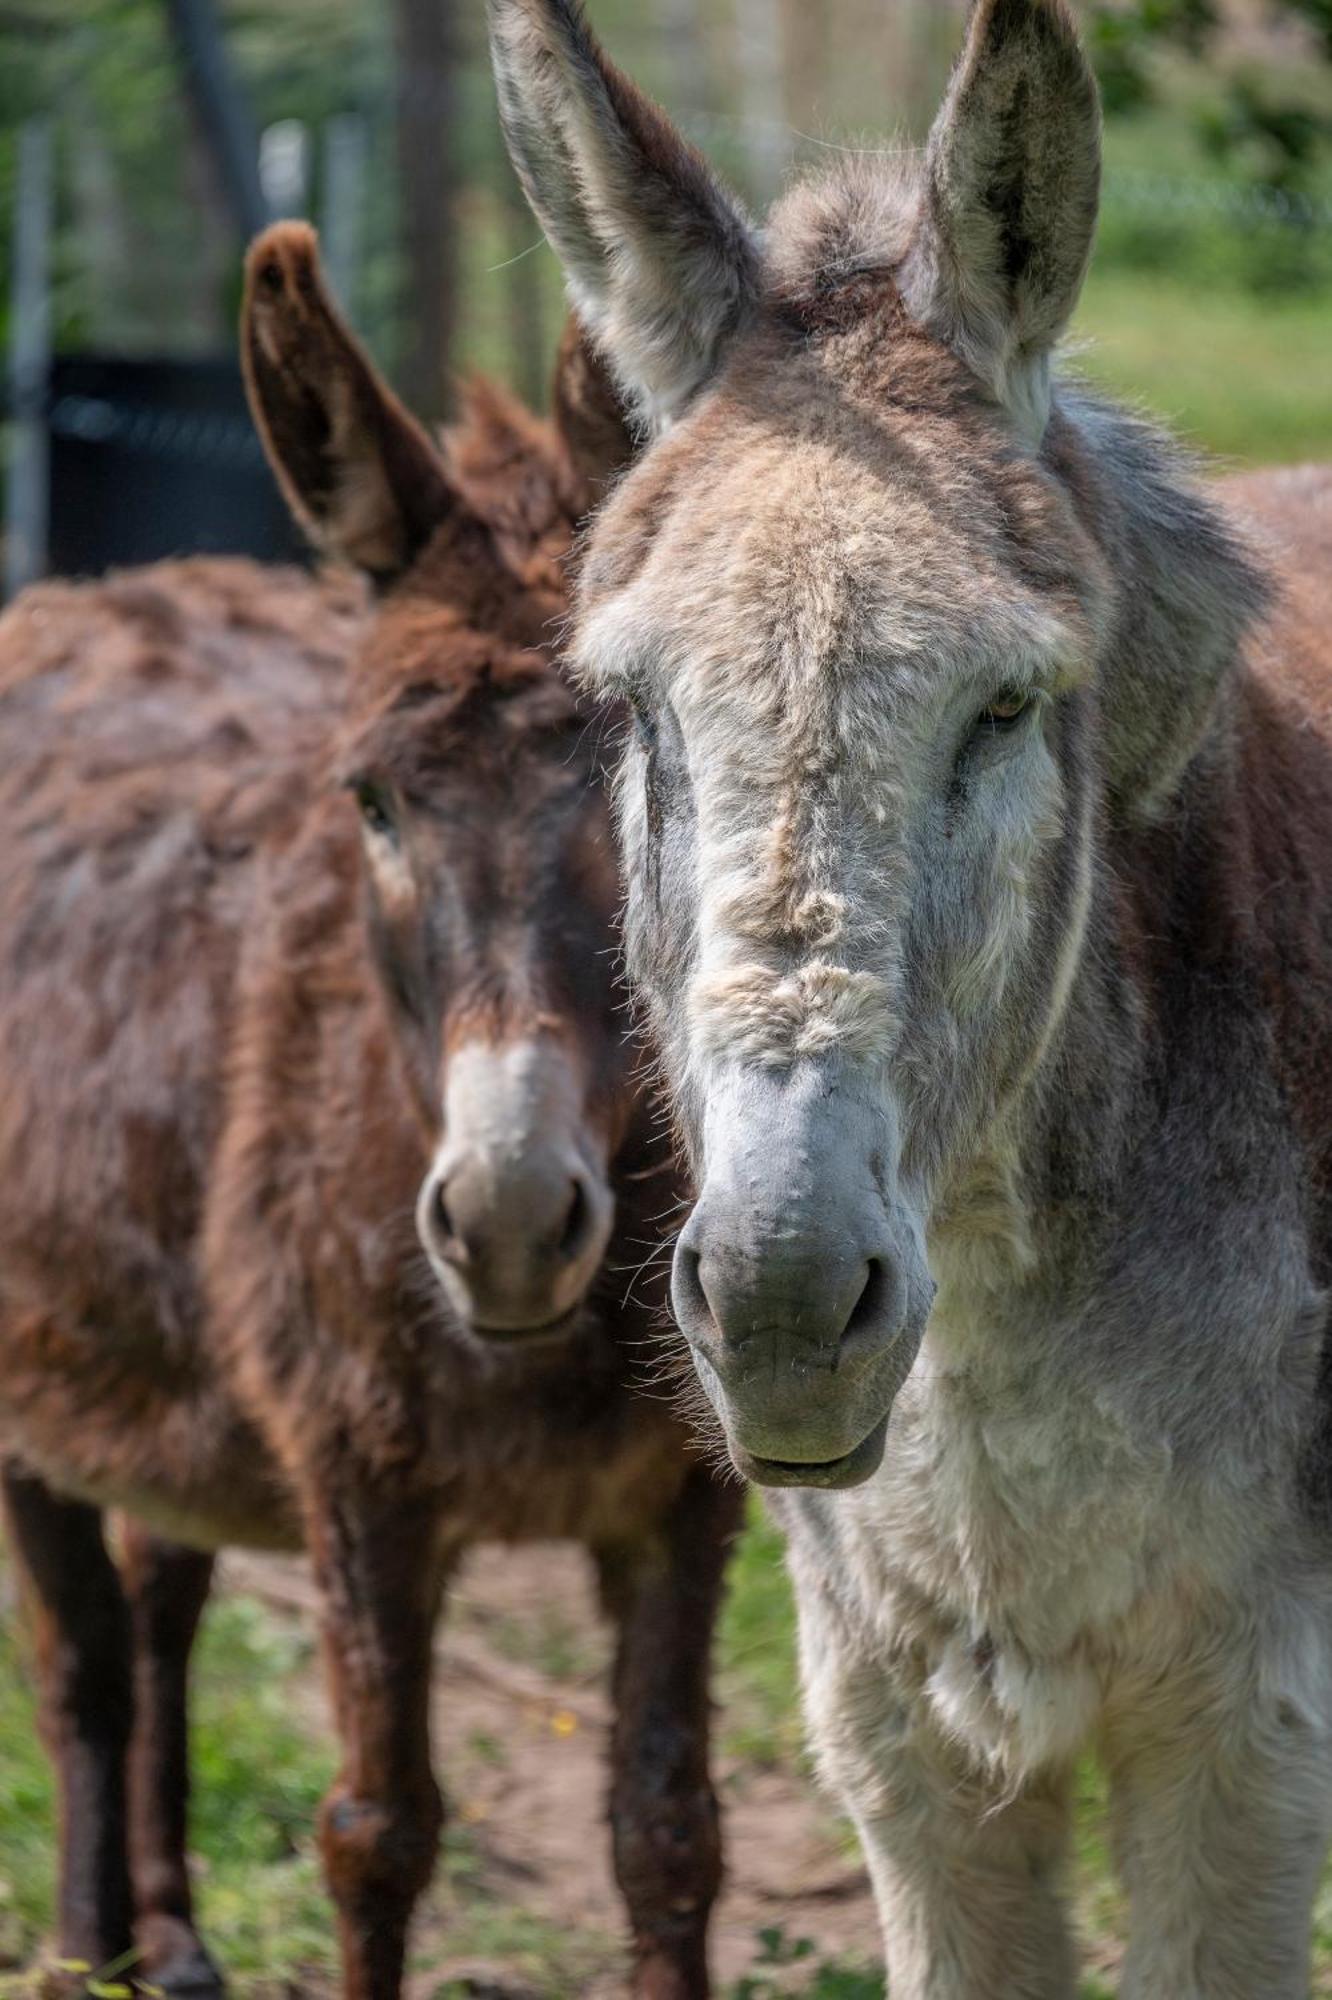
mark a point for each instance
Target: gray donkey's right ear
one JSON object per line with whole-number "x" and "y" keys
{"x": 659, "y": 258}
{"x": 1012, "y": 182}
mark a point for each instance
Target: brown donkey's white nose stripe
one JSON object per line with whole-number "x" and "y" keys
{"x": 515, "y": 1213}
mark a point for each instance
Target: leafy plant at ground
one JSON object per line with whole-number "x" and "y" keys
{"x": 789, "y": 1969}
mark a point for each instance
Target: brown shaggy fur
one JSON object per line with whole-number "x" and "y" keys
{"x": 222, "y": 1048}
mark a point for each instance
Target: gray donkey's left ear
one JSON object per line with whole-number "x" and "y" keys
{"x": 658, "y": 256}
{"x": 1013, "y": 172}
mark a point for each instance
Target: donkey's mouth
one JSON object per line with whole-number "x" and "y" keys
{"x": 548, "y": 1333}
{"x": 829, "y": 1474}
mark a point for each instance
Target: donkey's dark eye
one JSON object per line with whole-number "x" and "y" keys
{"x": 645, "y": 725}
{"x": 376, "y": 808}
{"x": 1007, "y": 709}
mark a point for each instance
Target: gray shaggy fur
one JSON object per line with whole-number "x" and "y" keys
{"x": 978, "y": 824}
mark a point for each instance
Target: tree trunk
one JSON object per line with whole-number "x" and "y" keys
{"x": 426, "y": 36}
{"x": 221, "y": 109}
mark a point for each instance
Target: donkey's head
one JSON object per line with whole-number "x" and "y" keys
{"x": 490, "y": 881}
{"x": 861, "y": 594}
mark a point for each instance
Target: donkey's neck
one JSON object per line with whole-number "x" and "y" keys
{"x": 1184, "y": 593}
{"x": 1059, "y": 1163}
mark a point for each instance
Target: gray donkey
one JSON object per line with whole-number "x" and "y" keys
{"x": 979, "y": 820}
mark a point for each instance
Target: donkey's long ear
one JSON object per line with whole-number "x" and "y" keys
{"x": 359, "y": 473}
{"x": 590, "y": 416}
{"x": 1013, "y": 172}
{"x": 660, "y": 260}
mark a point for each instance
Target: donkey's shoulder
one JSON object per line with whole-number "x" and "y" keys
{"x": 1286, "y": 514}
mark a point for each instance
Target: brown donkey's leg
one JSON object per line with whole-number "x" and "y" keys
{"x": 168, "y": 1588}
{"x": 668, "y": 1861}
{"x": 83, "y": 1648}
{"x": 381, "y": 1571}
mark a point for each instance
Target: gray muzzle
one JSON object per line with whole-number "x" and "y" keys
{"x": 800, "y": 1279}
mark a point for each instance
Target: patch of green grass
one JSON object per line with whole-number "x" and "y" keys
{"x": 461, "y": 1920}
{"x": 27, "y": 1820}
{"x": 788, "y": 1969}
{"x": 1322, "y": 1938}
{"x": 756, "y": 1652}
{"x": 560, "y": 1962}
{"x": 487, "y": 1749}
{"x": 1241, "y": 376}
{"x": 260, "y": 1770}
{"x": 557, "y": 1645}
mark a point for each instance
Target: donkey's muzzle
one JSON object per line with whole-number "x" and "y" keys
{"x": 517, "y": 1210}
{"x": 523, "y": 1248}
{"x": 799, "y": 1281}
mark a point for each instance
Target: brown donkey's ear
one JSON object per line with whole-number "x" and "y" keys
{"x": 590, "y": 416}
{"x": 1013, "y": 171}
{"x": 659, "y": 258}
{"x": 359, "y": 473}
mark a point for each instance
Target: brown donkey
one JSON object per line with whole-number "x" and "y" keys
{"x": 324, "y": 1146}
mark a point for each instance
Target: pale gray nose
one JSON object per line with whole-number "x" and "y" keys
{"x": 520, "y": 1238}
{"x": 789, "y": 1298}
{"x": 798, "y": 1280}
{"x": 516, "y": 1212}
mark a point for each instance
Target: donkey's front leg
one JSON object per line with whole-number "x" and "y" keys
{"x": 380, "y": 1565}
{"x": 168, "y": 1588}
{"x": 664, "y": 1594}
{"x": 966, "y": 1864}
{"x": 83, "y": 1650}
{"x": 1221, "y": 1793}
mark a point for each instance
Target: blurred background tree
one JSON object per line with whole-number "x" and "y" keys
{"x": 378, "y": 120}
{"x": 1265, "y": 116}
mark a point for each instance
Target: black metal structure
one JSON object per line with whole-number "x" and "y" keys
{"x": 157, "y": 458}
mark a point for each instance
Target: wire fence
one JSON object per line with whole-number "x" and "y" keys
{"x": 141, "y": 259}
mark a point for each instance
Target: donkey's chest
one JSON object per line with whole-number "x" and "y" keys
{"x": 999, "y": 1558}
{"x": 1028, "y": 1511}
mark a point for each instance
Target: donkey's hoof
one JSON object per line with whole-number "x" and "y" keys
{"x": 192, "y": 1976}
{"x": 175, "y": 1960}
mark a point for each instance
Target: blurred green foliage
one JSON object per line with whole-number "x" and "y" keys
{"x": 1219, "y": 147}
{"x": 1268, "y": 125}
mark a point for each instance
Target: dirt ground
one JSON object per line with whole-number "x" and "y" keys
{"x": 520, "y": 1718}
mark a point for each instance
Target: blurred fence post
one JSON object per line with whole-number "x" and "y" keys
{"x": 222, "y": 110}
{"x": 28, "y": 494}
{"x": 760, "y": 68}
{"x": 284, "y": 167}
{"x": 342, "y": 207}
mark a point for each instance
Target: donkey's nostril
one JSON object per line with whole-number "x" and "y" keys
{"x": 452, "y": 1247}
{"x": 875, "y": 1304}
{"x": 826, "y": 1310}
{"x": 689, "y": 1295}
{"x": 577, "y": 1224}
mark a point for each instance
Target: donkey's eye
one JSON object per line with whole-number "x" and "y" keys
{"x": 1006, "y": 710}
{"x": 376, "y": 809}
{"x": 645, "y": 725}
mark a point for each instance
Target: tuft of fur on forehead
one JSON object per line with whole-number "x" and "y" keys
{"x": 856, "y": 219}
{"x": 815, "y": 1010}
{"x": 454, "y": 623}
